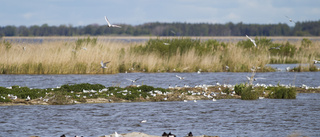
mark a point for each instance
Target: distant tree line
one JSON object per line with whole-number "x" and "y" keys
{"x": 308, "y": 28}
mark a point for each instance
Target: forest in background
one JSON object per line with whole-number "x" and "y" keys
{"x": 307, "y": 28}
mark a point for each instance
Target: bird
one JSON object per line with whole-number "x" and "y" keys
{"x": 133, "y": 81}
{"x": 194, "y": 100}
{"x": 190, "y": 134}
{"x": 103, "y": 65}
{"x": 254, "y": 42}
{"x": 143, "y": 121}
{"x": 214, "y": 99}
{"x": 181, "y": 78}
{"x": 28, "y": 98}
{"x": 111, "y": 25}
{"x": 316, "y": 62}
{"x": 116, "y": 134}
{"x": 290, "y": 19}
{"x": 166, "y": 43}
{"x": 171, "y": 135}
{"x": 24, "y": 48}
{"x": 227, "y": 67}
{"x": 164, "y": 134}
{"x": 199, "y": 71}
{"x": 278, "y": 48}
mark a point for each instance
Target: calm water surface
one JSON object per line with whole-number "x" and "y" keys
{"x": 233, "y": 117}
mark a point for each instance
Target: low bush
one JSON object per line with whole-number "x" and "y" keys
{"x": 249, "y": 94}
{"x": 282, "y": 93}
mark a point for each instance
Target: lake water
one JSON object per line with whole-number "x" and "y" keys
{"x": 232, "y": 117}
{"x": 165, "y": 79}
{"x": 229, "y": 117}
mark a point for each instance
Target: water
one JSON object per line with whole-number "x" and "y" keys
{"x": 163, "y": 80}
{"x": 230, "y": 117}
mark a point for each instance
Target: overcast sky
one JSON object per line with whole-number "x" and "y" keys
{"x": 135, "y": 12}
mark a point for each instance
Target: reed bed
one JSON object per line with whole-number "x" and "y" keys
{"x": 84, "y": 55}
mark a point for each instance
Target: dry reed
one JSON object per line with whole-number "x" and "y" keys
{"x": 60, "y": 57}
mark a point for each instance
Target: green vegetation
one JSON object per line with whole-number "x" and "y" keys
{"x": 308, "y": 28}
{"x": 282, "y": 93}
{"x": 67, "y": 94}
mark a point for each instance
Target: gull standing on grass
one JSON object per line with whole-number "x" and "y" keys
{"x": 104, "y": 65}
{"x": 111, "y": 25}
{"x": 254, "y": 42}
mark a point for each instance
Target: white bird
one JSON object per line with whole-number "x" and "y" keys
{"x": 181, "y": 78}
{"x": 254, "y": 42}
{"x": 290, "y": 19}
{"x": 24, "y": 48}
{"x": 143, "y": 121}
{"x": 316, "y": 62}
{"x": 214, "y": 100}
{"x": 116, "y": 134}
{"x": 133, "y": 81}
{"x": 109, "y": 24}
{"x": 104, "y": 65}
{"x": 28, "y": 98}
{"x": 194, "y": 100}
{"x": 166, "y": 43}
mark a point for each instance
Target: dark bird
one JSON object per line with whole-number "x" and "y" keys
{"x": 190, "y": 134}
{"x": 164, "y": 134}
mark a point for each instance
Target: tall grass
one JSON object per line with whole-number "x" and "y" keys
{"x": 156, "y": 55}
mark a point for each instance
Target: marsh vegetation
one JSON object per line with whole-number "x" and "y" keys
{"x": 181, "y": 54}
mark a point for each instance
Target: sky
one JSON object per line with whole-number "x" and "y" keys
{"x": 137, "y": 12}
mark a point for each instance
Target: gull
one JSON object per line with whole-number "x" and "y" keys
{"x": 116, "y": 134}
{"x": 214, "y": 100}
{"x": 254, "y": 79}
{"x": 28, "y": 98}
{"x": 133, "y": 81}
{"x": 227, "y": 67}
{"x": 275, "y": 48}
{"x": 166, "y": 43}
{"x": 143, "y": 121}
{"x": 316, "y": 62}
{"x": 109, "y": 24}
{"x": 254, "y": 42}
{"x": 181, "y": 78}
{"x": 290, "y": 19}
{"x": 199, "y": 71}
{"x": 104, "y": 65}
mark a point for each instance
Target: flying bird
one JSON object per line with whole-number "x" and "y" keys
{"x": 109, "y": 24}
{"x": 254, "y": 42}
{"x": 133, "y": 81}
{"x": 290, "y": 19}
{"x": 104, "y": 65}
{"x": 181, "y": 78}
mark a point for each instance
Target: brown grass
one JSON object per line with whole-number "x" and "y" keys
{"x": 59, "y": 57}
